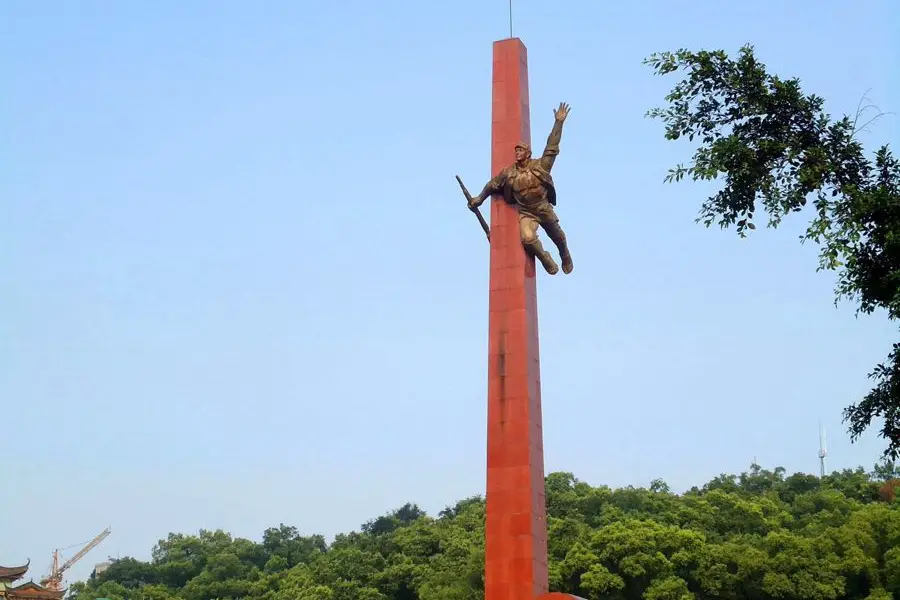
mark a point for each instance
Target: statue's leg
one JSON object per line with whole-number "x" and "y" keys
{"x": 550, "y": 223}
{"x": 528, "y": 226}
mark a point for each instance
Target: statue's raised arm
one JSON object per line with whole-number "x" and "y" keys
{"x": 551, "y": 150}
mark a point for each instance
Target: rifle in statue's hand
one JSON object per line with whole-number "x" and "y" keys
{"x": 474, "y": 209}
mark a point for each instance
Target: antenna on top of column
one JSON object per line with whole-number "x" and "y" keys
{"x": 510, "y": 19}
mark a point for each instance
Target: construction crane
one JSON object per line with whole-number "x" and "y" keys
{"x": 53, "y": 581}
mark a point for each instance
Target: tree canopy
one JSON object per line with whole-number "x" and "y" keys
{"x": 756, "y": 536}
{"x": 778, "y": 152}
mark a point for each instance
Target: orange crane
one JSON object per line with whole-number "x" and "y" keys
{"x": 53, "y": 581}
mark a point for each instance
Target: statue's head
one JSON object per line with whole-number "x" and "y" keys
{"x": 523, "y": 151}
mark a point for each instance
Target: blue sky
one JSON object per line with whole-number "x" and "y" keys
{"x": 240, "y": 285}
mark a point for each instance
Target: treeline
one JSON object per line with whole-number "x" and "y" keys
{"x": 760, "y": 535}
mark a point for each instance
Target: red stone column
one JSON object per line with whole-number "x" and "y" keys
{"x": 516, "y": 527}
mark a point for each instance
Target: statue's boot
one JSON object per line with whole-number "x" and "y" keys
{"x": 537, "y": 250}
{"x": 555, "y": 232}
{"x": 567, "y": 264}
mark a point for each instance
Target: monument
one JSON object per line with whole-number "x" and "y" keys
{"x": 523, "y": 199}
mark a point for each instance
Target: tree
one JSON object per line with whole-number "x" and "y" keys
{"x": 886, "y": 470}
{"x": 754, "y": 536}
{"x": 776, "y": 150}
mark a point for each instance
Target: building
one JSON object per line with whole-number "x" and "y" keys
{"x": 24, "y": 591}
{"x": 101, "y": 567}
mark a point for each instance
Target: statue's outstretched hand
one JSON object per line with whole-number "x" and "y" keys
{"x": 562, "y": 112}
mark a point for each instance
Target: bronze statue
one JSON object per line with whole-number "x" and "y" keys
{"x": 528, "y": 184}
